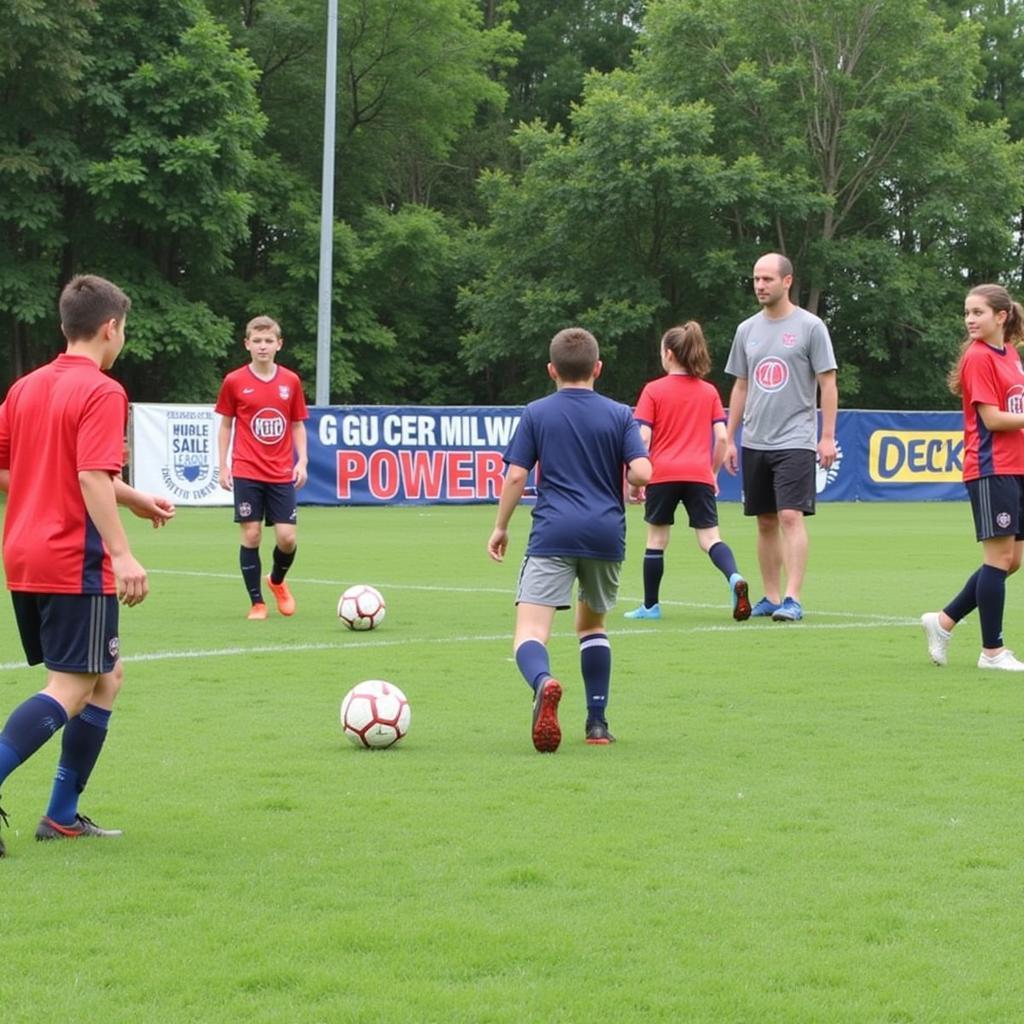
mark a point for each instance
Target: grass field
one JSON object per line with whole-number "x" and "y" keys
{"x": 799, "y": 823}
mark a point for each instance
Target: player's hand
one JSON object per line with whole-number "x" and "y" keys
{"x": 498, "y": 544}
{"x": 637, "y": 495}
{"x": 300, "y": 475}
{"x": 132, "y": 585}
{"x": 730, "y": 461}
{"x": 158, "y": 510}
{"x": 224, "y": 475}
{"x": 826, "y": 452}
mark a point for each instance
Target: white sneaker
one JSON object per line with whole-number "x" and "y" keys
{"x": 1004, "y": 660}
{"x": 938, "y": 638}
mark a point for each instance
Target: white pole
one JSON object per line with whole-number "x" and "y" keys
{"x": 323, "y": 320}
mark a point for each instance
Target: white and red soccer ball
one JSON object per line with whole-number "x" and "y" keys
{"x": 375, "y": 714}
{"x": 361, "y": 607}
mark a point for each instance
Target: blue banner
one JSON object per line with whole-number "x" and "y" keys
{"x": 369, "y": 455}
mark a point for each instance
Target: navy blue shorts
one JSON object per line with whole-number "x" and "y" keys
{"x": 256, "y": 500}
{"x": 998, "y": 506}
{"x": 68, "y": 632}
{"x": 773, "y": 480}
{"x": 698, "y": 500}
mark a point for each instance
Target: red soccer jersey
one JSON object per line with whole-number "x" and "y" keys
{"x": 991, "y": 376}
{"x": 263, "y": 411}
{"x": 63, "y": 418}
{"x": 681, "y": 411}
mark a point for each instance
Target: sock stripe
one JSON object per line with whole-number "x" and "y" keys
{"x": 596, "y": 640}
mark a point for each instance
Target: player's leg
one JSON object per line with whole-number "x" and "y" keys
{"x": 282, "y": 514}
{"x": 759, "y": 502}
{"x": 81, "y": 743}
{"x": 794, "y": 499}
{"x": 659, "y": 513}
{"x": 599, "y": 584}
{"x": 545, "y": 585}
{"x": 249, "y": 516}
{"x": 702, "y": 509}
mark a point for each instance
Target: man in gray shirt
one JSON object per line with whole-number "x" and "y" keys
{"x": 780, "y": 358}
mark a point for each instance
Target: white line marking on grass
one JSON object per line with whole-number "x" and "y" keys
{"x": 621, "y": 633}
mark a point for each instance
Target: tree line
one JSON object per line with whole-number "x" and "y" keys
{"x": 506, "y": 168}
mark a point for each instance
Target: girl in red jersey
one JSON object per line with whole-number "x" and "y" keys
{"x": 678, "y": 416}
{"x": 990, "y": 380}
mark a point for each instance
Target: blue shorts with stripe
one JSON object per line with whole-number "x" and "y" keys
{"x": 68, "y": 632}
{"x": 998, "y": 506}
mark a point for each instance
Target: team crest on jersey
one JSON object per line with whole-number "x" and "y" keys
{"x": 1015, "y": 399}
{"x": 268, "y": 426}
{"x": 189, "y": 470}
{"x": 771, "y": 374}
{"x": 789, "y": 340}
{"x": 284, "y": 391}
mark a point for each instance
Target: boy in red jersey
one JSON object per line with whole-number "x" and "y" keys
{"x": 66, "y": 555}
{"x": 678, "y": 415}
{"x": 263, "y": 404}
{"x": 990, "y": 380}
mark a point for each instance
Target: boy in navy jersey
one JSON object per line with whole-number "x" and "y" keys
{"x": 66, "y": 556}
{"x": 264, "y": 404}
{"x": 581, "y": 442}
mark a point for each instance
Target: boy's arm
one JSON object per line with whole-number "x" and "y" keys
{"x": 223, "y": 443}
{"x": 511, "y": 492}
{"x": 737, "y": 401}
{"x": 636, "y": 491}
{"x": 829, "y": 411}
{"x": 638, "y": 472}
{"x": 158, "y": 510}
{"x": 301, "y": 474}
{"x": 99, "y": 495}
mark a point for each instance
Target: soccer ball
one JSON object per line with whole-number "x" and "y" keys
{"x": 375, "y": 714}
{"x": 361, "y": 607}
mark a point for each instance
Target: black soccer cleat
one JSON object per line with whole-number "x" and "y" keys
{"x": 82, "y": 826}
{"x": 3, "y": 818}
{"x": 598, "y": 734}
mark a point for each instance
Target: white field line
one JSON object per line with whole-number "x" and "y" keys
{"x": 508, "y": 591}
{"x": 735, "y": 629}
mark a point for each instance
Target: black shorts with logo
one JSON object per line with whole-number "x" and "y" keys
{"x": 998, "y": 506}
{"x": 774, "y": 480}
{"x": 698, "y": 500}
{"x": 68, "y": 632}
{"x": 257, "y": 500}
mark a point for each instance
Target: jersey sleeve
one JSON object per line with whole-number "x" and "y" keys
{"x": 522, "y": 449}
{"x": 5, "y": 438}
{"x": 100, "y": 436}
{"x": 633, "y": 446}
{"x": 644, "y": 412}
{"x": 299, "y": 411}
{"x": 736, "y": 364}
{"x": 226, "y": 405}
{"x": 717, "y": 409}
{"x": 979, "y": 381}
{"x": 823, "y": 358}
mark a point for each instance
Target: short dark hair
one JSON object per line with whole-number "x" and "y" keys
{"x": 574, "y": 354}
{"x": 87, "y": 303}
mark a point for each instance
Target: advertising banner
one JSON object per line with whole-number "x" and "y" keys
{"x": 378, "y": 455}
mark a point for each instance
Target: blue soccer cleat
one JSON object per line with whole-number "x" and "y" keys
{"x": 764, "y": 609}
{"x": 788, "y": 611}
{"x": 643, "y": 612}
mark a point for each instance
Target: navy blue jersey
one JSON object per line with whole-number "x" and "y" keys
{"x": 580, "y": 442}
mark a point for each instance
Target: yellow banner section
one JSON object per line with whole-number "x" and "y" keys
{"x": 916, "y": 456}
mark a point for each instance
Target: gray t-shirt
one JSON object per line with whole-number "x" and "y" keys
{"x": 780, "y": 359}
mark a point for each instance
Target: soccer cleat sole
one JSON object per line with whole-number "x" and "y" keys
{"x": 547, "y": 733}
{"x": 741, "y": 610}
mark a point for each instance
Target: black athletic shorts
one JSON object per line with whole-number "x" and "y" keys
{"x": 774, "y": 480}
{"x": 698, "y": 500}
{"x": 256, "y": 500}
{"x": 998, "y": 506}
{"x": 68, "y": 632}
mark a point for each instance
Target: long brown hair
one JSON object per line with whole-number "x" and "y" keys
{"x": 688, "y": 345}
{"x": 999, "y": 300}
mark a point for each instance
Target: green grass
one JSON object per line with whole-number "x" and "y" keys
{"x": 805, "y": 823}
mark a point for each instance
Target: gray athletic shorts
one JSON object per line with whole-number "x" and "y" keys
{"x": 548, "y": 579}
